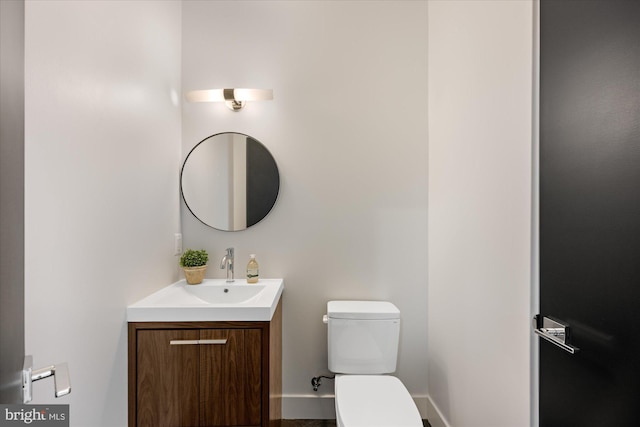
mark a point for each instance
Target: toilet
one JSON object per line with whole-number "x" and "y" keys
{"x": 363, "y": 349}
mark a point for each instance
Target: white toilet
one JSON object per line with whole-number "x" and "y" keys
{"x": 363, "y": 347}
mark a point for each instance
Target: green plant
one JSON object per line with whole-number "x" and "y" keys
{"x": 194, "y": 258}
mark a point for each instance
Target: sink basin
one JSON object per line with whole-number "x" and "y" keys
{"x": 212, "y": 300}
{"x": 214, "y": 293}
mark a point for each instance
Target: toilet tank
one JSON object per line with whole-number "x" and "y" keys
{"x": 363, "y": 336}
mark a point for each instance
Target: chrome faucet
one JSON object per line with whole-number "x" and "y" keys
{"x": 227, "y": 263}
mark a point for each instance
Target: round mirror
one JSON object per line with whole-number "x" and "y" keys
{"x": 229, "y": 181}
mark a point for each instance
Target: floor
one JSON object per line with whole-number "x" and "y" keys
{"x": 322, "y": 423}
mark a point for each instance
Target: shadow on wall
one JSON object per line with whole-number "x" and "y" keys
{"x": 438, "y": 377}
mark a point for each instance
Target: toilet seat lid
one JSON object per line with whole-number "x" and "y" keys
{"x": 374, "y": 401}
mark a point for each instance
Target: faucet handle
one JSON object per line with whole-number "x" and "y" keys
{"x": 227, "y": 260}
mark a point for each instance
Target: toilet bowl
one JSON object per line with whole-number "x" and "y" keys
{"x": 374, "y": 401}
{"x": 363, "y": 347}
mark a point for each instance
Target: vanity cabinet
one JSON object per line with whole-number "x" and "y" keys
{"x": 205, "y": 373}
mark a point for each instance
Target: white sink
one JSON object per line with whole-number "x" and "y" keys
{"x": 212, "y": 300}
{"x": 226, "y": 294}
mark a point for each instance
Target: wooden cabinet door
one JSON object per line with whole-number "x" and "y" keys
{"x": 167, "y": 378}
{"x": 230, "y": 383}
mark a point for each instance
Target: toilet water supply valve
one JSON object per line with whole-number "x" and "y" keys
{"x": 316, "y": 381}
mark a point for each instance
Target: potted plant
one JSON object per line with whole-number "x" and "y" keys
{"x": 194, "y": 264}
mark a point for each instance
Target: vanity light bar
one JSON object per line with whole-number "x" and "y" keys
{"x": 234, "y": 98}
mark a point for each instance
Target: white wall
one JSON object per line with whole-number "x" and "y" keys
{"x": 348, "y": 129}
{"x": 102, "y": 158}
{"x": 480, "y": 85}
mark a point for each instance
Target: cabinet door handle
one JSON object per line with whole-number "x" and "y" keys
{"x": 197, "y": 342}
{"x": 222, "y": 341}
{"x": 183, "y": 342}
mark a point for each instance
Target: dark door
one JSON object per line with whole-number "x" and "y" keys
{"x": 590, "y": 211}
{"x": 11, "y": 200}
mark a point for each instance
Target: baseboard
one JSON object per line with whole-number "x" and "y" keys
{"x": 322, "y": 407}
{"x": 435, "y": 417}
{"x": 308, "y": 407}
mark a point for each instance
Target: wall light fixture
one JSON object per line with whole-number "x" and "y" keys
{"x": 234, "y": 98}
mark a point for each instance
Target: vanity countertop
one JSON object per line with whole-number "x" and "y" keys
{"x": 212, "y": 300}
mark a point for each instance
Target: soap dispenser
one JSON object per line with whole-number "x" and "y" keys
{"x": 252, "y": 269}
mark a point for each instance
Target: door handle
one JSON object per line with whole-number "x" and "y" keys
{"x": 59, "y": 372}
{"x": 554, "y": 332}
